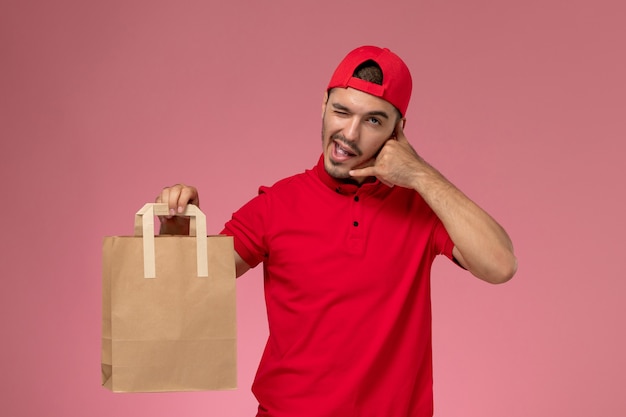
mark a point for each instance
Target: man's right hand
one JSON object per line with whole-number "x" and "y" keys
{"x": 177, "y": 197}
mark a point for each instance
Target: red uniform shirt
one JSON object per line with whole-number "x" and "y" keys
{"x": 347, "y": 289}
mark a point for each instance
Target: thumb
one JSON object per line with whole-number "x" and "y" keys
{"x": 366, "y": 171}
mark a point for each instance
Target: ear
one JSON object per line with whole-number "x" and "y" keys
{"x": 399, "y": 128}
{"x": 324, "y": 101}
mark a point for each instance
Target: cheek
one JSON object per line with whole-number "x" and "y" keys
{"x": 372, "y": 146}
{"x": 329, "y": 124}
{"x": 329, "y": 128}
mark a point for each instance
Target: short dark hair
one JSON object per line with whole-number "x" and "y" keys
{"x": 369, "y": 71}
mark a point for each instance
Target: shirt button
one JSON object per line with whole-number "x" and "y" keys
{"x": 356, "y": 198}
{"x": 355, "y": 224}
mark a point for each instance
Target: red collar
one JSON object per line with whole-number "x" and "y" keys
{"x": 342, "y": 187}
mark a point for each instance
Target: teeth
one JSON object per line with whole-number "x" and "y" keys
{"x": 343, "y": 151}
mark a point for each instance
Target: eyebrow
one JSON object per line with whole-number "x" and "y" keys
{"x": 371, "y": 113}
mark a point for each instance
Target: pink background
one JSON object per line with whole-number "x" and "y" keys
{"x": 521, "y": 103}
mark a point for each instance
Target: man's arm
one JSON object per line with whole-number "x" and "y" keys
{"x": 481, "y": 245}
{"x": 177, "y": 197}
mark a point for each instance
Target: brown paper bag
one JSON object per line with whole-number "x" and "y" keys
{"x": 168, "y": 309}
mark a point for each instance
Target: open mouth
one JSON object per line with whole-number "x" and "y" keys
{"x": 343, "y": 151}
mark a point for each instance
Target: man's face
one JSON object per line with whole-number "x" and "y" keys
{"x": 355, "y": 126}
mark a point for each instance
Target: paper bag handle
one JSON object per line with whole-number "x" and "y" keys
{"x": 144, "y": 226}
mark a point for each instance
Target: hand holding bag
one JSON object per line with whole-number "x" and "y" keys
{"x": 168, "y": 308}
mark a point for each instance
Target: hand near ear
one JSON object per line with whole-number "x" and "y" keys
{"x": 397, "y": 162}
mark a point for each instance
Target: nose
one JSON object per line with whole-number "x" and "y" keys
{"x": 351, "y": 130}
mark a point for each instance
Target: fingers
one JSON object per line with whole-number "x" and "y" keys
{"x": 388, "y": 158}
{"x": 364, "y": 169}
{"x": 177, "y": 197}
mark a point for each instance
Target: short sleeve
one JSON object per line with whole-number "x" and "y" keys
{"x": 248, "y": 229}
{"x": 442, "y": 241}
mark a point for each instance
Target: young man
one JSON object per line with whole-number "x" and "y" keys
{"x": 347, "y": 248}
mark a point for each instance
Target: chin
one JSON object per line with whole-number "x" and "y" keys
{"x": 338, "y": 171}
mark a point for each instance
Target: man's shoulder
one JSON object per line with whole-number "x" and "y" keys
{"x": 291, "y": 183}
